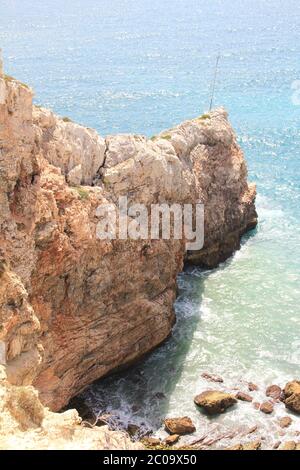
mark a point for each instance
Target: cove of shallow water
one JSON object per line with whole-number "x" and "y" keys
{"x": 141, "y": 66}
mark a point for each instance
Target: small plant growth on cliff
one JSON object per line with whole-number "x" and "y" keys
{"x": 164, "y": 136}
{"x": 9, "y": 78}
{"x": 66, "y": 119}
{"x": 82, "y": 193}
{"x": 204, "y": 117}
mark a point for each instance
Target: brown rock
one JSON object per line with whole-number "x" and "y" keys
{"x": 276, "y": 445}
{"x": 179, "y": 426}
{"x": 252, "y": 387}
{"x": 290, "y": 445}
{"x": 255, "y": 445}
{"x": 152, "y": 441}
{"x": 214, "y": 402}
{"x": 244, "y": 397}
{"x": 267, "y": 407}
{"x": 212, "y": 377}
{"x": 274, "y": 391}
{"x": 235, "y": 447}
{"x": 285, "y": 422}
{"x": 171, "y": 440}
{"x": 256, "y": 405}
{"x": 292, "y": 396}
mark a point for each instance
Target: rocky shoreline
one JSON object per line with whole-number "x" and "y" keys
{"x": 181, "y": 432}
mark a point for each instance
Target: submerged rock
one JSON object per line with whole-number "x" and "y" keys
{"x": 267, "y": 407}
{"x": 285, "y": 422}
{"x": 292, "y": 396}
{"x": 214, "y": 401}
{"x": 180, "y": 426}
{"x": 159, "y": 396}
{"x": 252, "y": 387}
{"x": 289, "y": 445}
{"x": 244, "y": 397}
{"x": 212, "y": 377}
{"x": 133, "y": 429}
{"x": 274, "y": 391}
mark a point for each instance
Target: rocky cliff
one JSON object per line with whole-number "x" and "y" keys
{"x": 73, "y": 308}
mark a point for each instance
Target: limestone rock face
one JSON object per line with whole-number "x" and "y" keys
{"x": 76, "y": 150}
{"x": 214, "y": 402}
{"x": 73, "y": 308}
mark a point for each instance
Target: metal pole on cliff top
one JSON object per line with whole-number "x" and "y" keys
{"x": 214, "y": 82}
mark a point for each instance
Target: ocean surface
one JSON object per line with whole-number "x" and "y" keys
{"x": 142, "y": 66}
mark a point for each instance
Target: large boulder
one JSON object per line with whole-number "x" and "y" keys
{"x": 214, "y": 402}
{"x": 292, "y": 396}
{"x": 180, "y": 426}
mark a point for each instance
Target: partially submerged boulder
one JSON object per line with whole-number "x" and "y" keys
{"x": 212, "y": 377}
{"x": 171, "y": 440}
{"x": 151, "y": 441}
{"x": 267, "y": 407}
{"x": 274, "y": 391}
{"x": 292, "y": 396}
{"x": 243, "y": 397}
{"x": 255, "y": 445}
{"x": 252, "y": 387}
{"x": 289, "y": 445}
{"x": 285, "y": 422}
{"x": 214, "y": 401}
{"x": 180, "y": 426}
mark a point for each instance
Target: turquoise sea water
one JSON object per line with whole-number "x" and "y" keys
{"x": 141, "y": 66}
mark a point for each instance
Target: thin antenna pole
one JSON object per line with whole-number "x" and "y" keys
{"x": 214, "y": 82}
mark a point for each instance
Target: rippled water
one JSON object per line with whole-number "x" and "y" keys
{"x": 141, "y": 66}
